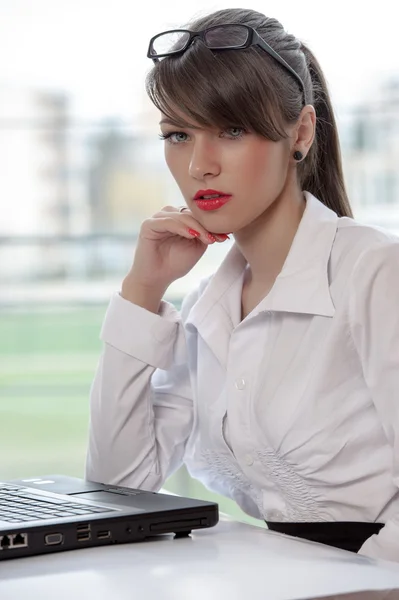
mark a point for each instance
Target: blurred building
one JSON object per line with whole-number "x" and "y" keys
{"x": 33, "y": 176}
{"x": 33, "y": 161}
{"x": 125, "y": 185}
{"x": 73, "y": 183}
{"x": 370, "y": 140}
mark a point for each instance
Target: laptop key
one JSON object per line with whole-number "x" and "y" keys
{"x": 80, "y": 512}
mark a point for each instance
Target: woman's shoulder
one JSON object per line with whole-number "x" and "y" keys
{"x": 357, "y": 242}
{"x": 363, "y": 257}
{"x": 354, "y": 229}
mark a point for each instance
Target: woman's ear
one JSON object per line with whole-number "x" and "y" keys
{"x": 304, "y": 132}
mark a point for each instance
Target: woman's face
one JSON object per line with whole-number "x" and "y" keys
{"x": 252, "y": 170}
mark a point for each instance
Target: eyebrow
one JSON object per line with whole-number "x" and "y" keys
{"x": 167, "y": 121}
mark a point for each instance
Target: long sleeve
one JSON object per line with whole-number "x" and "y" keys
{"x": 374, "y": 318}
{"x": 140, "y": 403}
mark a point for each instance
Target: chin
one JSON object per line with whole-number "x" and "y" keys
{"x": 215, "y": 221}
{"x": 214, "y": 227}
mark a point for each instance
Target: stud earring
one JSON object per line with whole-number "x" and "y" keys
{"x": 298, "y": 155}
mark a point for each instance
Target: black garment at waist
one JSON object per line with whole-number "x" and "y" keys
{"x": 348, "y": 535}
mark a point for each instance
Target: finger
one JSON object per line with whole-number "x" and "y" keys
{"x": 190, "y": 229}
{"x": 175, "y": 209}
{"x": 206, "y": 236}
{"x": 194, "y": 227}
{"x": 188, "y": 218}
{"x": 169, "y": 209}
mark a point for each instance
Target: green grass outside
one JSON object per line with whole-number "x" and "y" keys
{"x": 47, "y": 361}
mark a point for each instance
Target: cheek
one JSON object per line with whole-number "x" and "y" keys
{"x": 170, "y": 162}
{"x": 264, "y": 164}
{"x": 177, "y": 163}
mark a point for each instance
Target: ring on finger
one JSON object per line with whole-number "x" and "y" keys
{"x": 182, "y": 208}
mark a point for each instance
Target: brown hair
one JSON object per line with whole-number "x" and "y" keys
{"x": 250, "y": 89}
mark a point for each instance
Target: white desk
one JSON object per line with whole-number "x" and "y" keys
{"x": 231, "y": 561}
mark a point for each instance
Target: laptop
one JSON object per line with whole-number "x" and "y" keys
{"x": 54, "y": 513}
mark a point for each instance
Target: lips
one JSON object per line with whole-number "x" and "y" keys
{"x": 201, "y": 193}
{"x": 211, "y": 199}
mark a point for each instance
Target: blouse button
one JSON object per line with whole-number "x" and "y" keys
{"x": 249, "y": 460}
{"x": 240, "y": 384}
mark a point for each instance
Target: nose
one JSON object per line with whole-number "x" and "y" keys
{"x": 204, "y": 160}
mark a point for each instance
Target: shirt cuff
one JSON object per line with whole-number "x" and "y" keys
{"x": 144, "y": 335}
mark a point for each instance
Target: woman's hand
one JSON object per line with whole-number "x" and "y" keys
{"x": 170, "y": 244}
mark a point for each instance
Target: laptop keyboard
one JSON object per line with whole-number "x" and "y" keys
{"x": 17, "y": 505}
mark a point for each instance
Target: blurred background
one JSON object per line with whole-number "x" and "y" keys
{"x": 81, "y": 166}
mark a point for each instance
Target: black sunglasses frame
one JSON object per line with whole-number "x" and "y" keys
{"x": 253, "y": 39}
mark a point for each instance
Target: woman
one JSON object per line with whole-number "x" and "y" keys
{"x": 277, "y": 385}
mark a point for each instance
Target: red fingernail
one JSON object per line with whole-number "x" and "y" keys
{"x": 194, "y": 233}
{"x": 223, "y": 236}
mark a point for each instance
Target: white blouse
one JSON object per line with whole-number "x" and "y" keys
{"x": 293, "y": 412}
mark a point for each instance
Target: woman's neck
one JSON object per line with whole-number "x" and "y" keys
{"x": 265, "y": 243}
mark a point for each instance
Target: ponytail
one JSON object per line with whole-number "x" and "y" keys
{"x": 321, "y": 173}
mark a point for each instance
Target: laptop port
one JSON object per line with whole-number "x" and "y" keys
{"x": 19, "y": 540}
{"x": 103, "y": 535}
{"x": 53, "y": 539}
{"x": 84, "y": 537}
{"x": 5, "y": 542}
{"x": 83, "y": 528}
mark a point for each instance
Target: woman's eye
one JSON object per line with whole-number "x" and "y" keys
{"x": 174, "y": 137}
{"x": 235, "y": 132}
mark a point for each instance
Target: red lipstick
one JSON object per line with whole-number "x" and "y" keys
{"x": 211, "y": 199}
